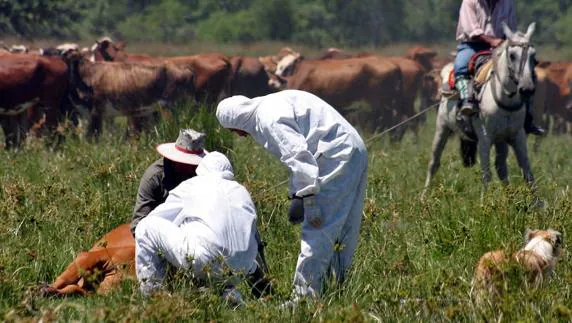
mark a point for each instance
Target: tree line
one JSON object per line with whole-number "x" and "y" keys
{"x": 320, "y": 23}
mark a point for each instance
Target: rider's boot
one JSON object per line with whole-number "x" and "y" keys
{"x": 529, "y": 126}
{"x": 466, "y": 107}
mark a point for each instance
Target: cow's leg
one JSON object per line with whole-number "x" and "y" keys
{"x": 501, "y": 150}
{"x": 111, "y": 280}
{"x": 95, "y": 124}
{"x": 84, "y": 262}
{"x": 14, "y": 128}
{"x": 136, "y": 125}
{"x": 54, "y": 123}
{"x": 113, "y": 263}
{"x": 442, "y": 134}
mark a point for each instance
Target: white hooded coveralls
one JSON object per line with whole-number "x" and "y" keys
{"x": 326, "y": 157}
{"x": 207, "y": 225}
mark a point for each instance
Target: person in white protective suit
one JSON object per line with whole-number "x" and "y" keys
{"x": 327, "y": 160}
{"x": 206, "y": 225}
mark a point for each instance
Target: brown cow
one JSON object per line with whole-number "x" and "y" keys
{"x": 212, "y": 71}
{"x": 249, "y": 77}
{"x": 129, "y": 89}
{"x": 27, "y": 81}
{"x": 111, "y": 259}
{"x": 559, "y": 77}
{"x": 424, "y": 56}
{"x": 414, "y": 84}
{"x": 344, "y": 82}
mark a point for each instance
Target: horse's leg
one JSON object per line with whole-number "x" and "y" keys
{"x": 484, "y": 154}
{"x": 442, "y": 134}
{"x": 501, "y": 149}
{"x": 521, "y": 151}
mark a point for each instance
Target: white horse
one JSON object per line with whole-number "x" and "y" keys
{"x": 501, "y": 114}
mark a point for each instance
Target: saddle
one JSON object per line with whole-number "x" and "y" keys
{"x": 480, "y": 70}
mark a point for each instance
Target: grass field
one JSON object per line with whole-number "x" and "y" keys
{"x": 414, "y": 262}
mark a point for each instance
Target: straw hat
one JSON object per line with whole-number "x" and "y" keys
{"x": 188, "y": 149}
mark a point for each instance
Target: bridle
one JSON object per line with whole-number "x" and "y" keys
{"x": 514, "y": 76}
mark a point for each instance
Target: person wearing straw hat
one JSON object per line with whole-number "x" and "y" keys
{"x": 178, "y": 163}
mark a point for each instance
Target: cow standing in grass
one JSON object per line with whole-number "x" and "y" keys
{"x": 116, "y": 88}
{"x": 377, "y": 82}
{"x": 29, "y": 81}
{"x": 212, "y": 70}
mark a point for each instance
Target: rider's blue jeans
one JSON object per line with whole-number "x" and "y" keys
{"x": 464, "y": 53}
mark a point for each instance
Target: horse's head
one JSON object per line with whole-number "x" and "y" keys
{"x": 516, "y": 59}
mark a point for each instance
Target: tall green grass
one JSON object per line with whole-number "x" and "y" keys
{"x": 414, "y": 262}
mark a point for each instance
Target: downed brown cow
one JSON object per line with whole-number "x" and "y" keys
{"x": 28, "y": 81}
{"x": 111, "y": 259}
{"x": 212, "y": 71}
{"x": 344, "y": 82}
{"x": 129, "y": 89}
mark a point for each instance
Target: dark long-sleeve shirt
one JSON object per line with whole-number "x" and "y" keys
{"x": 154, "y": 188}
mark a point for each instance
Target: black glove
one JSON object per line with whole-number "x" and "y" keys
{"x": 296, "y": 211}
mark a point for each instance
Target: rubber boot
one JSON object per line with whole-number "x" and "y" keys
{"x": 529, "y": 126}
{"x": 466, "y": 106}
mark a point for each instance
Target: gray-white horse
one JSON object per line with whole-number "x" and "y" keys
{"x": 501, "y": 114}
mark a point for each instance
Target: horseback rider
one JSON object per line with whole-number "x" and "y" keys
{"x": 479, "y": 29}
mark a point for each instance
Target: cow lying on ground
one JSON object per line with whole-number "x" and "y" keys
{"x": 212, "y": 71}
{"x": 30, "y": 81}
{"x": 110, "y": 260}
{"x": 117, "y": 88}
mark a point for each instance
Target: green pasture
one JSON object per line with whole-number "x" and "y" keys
{"x": 414, "y": 262}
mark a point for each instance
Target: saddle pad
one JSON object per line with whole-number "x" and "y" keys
{"x": 484, "y": 73}
{"x": 451, "y": 80}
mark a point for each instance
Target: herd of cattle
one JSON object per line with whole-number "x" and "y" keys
{"x": 42, "y": 90}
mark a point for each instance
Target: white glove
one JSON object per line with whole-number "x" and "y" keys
{"x": 312, "y": 211}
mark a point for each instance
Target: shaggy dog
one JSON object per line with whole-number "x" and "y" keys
{"x": 536, "y": 259}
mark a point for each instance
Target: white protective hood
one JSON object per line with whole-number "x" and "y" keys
{"x": 215, "y": 211}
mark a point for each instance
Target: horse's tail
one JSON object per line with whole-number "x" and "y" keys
{"x": 469, "y": 152}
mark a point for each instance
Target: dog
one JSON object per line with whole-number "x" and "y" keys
{"x": 537, "y": 259}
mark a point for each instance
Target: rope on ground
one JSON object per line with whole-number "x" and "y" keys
{"x": 260, "y": 194}
{"x": 378, "y": 135}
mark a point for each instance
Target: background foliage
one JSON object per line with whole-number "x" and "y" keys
{"x": 316, "y": 22}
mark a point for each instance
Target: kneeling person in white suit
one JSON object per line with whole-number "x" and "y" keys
{"x": 207, "y": 224}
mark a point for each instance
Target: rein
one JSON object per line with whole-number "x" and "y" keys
{"x": 512, "y": 74}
